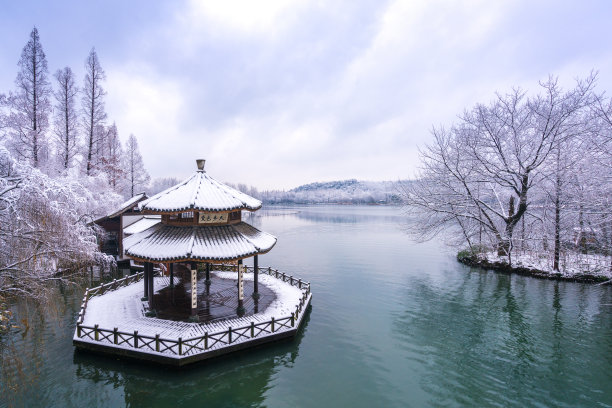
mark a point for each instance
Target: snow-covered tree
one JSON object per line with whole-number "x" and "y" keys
{"x": 136, "y": 176}
{"x": 28, "y": 119}
{"x": 45, "y": 234}
{"x": 66, "y": 118}
{"x": 480, "y": 175}
{"x": 92, "y": 104}
{"x": 160, "y": 184}
{"x": 112, "y": 157}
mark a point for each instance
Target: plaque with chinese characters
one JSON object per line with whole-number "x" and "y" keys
{"x": 212, "y": 218}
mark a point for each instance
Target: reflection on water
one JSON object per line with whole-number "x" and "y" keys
{"x": 494, "y": 339}
{"x": 393, "y": 323}
{"x": 240, "y": 379}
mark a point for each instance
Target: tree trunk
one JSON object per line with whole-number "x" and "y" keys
{"x": 91, "y": 122}
{"x": 557, "y": 250}
{"x": 34, "y": 106}
{"x": 66, "y": 118}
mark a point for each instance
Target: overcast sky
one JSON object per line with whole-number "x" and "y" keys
{"x": 276, "y": 94}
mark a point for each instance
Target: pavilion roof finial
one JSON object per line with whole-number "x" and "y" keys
{"x": 200, "y": 163}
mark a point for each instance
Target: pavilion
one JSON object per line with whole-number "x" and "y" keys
{"x": 197, "y": 223}
{"x": 201, "y": 223}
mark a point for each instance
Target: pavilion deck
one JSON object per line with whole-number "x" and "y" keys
{"x": 217, "y": 300}
{"x": 113, "y": 317}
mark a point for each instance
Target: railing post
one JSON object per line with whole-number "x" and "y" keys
{"x": 272, "y": 324}
{"x": 157, "y": 342}
{"x": 96, "y": 332}
{"x": 270, "y": 270}
{"x": 229, "y": 330}
{"x": 292, "y": 320}
{"x": 115, "y": 335}
{"x": 180, "y": 346}
{"x": 135, "y": 339}
{"x": 206, "y": 341}
{"x": 300, "y": 283}
{"x": 252, "y": 329}
{"x": 79, "y": 330}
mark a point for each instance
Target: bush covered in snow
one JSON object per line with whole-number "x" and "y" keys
{"x": 45, "y": 230}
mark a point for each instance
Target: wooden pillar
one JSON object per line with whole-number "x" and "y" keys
{"x": 194, "y": 292}
{"x": 171, "y": 275}
{"x": 145, "y": 279}
{"x": 151, "y": 286}
{"x": 255, "y": 277}
{"x": 207, "y": 273}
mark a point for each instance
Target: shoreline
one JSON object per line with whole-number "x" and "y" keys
{"x": 502, "y": 267}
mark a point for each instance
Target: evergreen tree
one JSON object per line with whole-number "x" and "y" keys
{"x": 93, "y": 108}
{"x": 136, "y": 176}
{"x": 65, "y": 117}
{"x": 112, "y": 158}
{"x": 29, "y": 105}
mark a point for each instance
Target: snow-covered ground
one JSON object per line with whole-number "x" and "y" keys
{"x": 569, "y": 264}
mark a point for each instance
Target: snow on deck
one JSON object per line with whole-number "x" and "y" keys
{"x": 123, "y": 309}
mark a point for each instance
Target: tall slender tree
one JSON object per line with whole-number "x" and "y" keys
{"x": 136, "y": 176}
{"x": 29, "y": 105}
{"x": 66, "y": 117}
{"x": 112, "y": 159}
{"x": 94, "y": 114}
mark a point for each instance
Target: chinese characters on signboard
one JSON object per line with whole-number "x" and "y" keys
{"x": 212, "y": 218}
{"x": 241, "y": 269}
{"x": 194, "y": 288}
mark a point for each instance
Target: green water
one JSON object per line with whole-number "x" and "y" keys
{"x": 393, "y": 324}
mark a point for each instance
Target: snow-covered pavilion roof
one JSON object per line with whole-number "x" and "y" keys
{"x": 200, "y": 192}
{"x": 162, "y": 243}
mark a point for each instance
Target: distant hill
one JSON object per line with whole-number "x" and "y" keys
{"x": 336, "y": 192}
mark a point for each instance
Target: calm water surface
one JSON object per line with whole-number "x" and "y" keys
{"x": 393, "y": 324}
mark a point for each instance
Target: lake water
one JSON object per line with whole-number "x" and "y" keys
{"x": 393, "y": 324}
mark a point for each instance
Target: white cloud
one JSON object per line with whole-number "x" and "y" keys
{"x": 278, "y": 93}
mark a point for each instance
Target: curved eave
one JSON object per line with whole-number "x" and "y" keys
{"x": 167, "y": 243}
{"x": 160, "y": 211}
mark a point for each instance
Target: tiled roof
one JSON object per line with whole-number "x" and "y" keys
{"x": 163, "y": 243}
{"x": 142, "y": 224}
{"x": 124, "y": 207}
{"x": 200, "y": 192}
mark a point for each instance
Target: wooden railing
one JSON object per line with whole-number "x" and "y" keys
{"x": 194, "y": 345}
{"x": 107, "y": 287}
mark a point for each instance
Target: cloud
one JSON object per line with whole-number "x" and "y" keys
{"x": 242, "y": 16}
{"x": 279, "y": 93}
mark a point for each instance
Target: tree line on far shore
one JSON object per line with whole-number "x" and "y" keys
{"x": 524, "y": 174}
